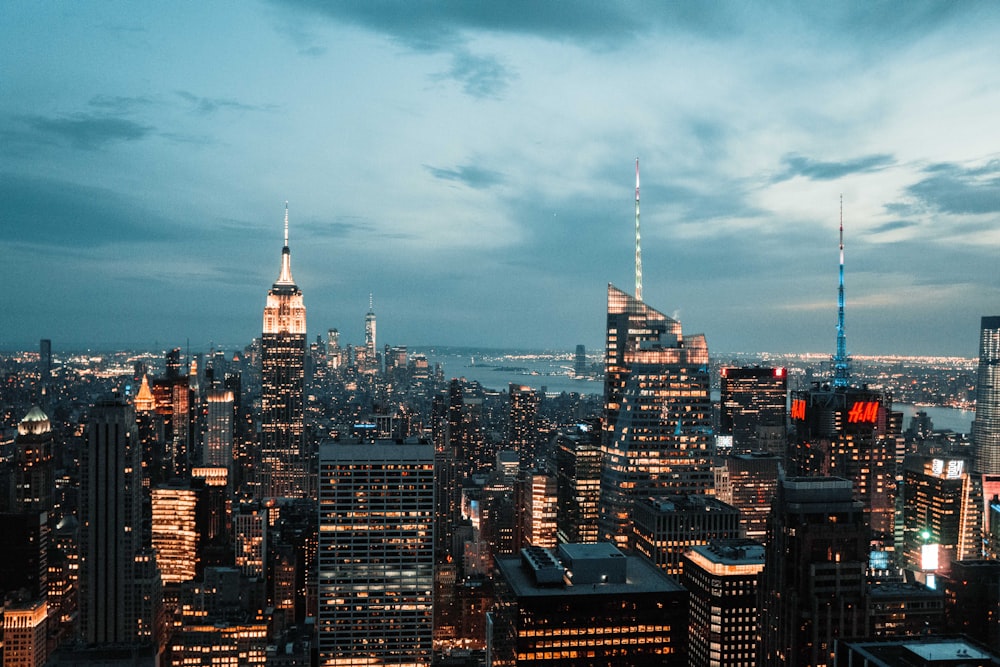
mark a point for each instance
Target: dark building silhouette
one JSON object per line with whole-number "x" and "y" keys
{"x": 813, "y": 584}
{"x": 849, "y": 432}
{"x": 753, "y": 408}
{"x": 119, "y": 601}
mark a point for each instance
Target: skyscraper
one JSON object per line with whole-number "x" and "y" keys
{"x": 813, "y": 583}
{"x": 986, "y": 426}
{"x": 371, "y": 351}
{"x": 113, "y": 608}
{"x": 33, "y": 464}
{"x": 753, "y": 410}
{"x": 283, "y": 356}
{"x": 658, "y": 413}
{"x": 522, "y": 432}
{"x": 376, "y": 553}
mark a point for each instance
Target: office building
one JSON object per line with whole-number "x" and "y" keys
{"x": 580, "y": 362}
{"x": 849, "y": 432}
{"x": 972, "y": 600}
{"x": 940, "y": 524}
{"x": 24, "y": 633}
{"x": 986, "y": 425}
{"x": 175, "y": 531}
{"x": 218, "y": 448}
{"x": 753, "y": 408}
{"x": 576, "y": 463}
{"x": 748, "y": 482}
{"x": 522, "y": 432}
{"x": 376, "y": 553}
{"x": 371, "y": 362}
{"x": 657, "y": 412}
{"x": 925, "y": 651}
{"x": 666, "y": 526}
{"x": 116, "y": 607}
{"x": 904, "y": 609}
{"x": 813, "y": 583}
{"x": 585, "y": 604}
{"x": 284, "y": 463}
{"x": 722, "y": 578}
{"x": 33, "y": 481}
{"x": 538, "y": 509}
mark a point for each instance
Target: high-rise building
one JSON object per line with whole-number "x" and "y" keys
{"x": 376, "y": 553}
{"x": 371, "y": 365}
{"x": 585, "y": 604}
{"x": 753, "y": 408}
{"x": 664, "y": 527}
{"x": 986, "y": 426}
{"x": 113, "y": 606}
{"x": 284, "y": 463}
{"x": 175, "y": 533}
{"x": 24, "y": 633}
{"x": 576, "y": 463}
{"x": 748, "y": 484}
{"x": 522, "y": 432}
{"x": 722, "y": 577}
{"x": 813, "y": 584}
{"x": 580, "y": 361}
{"x": 33, "y": 464}
{"x": 218, "y": 450}
{"x": 939, "y": 521}
{"x": 657, "y": 412}
{"x": 849, "y": 432}
{"x": 538, "y": 509}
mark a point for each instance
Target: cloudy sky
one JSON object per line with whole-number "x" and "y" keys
{"x": 471, "y": 164}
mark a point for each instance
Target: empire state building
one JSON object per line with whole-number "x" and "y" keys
{"x": 284, "y": 464}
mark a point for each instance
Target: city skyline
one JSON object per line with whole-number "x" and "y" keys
{"x": 471, "y": 167}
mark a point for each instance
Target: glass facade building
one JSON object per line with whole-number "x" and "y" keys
{"x": 376, "y": 553}
{"x": 658, "y": 413}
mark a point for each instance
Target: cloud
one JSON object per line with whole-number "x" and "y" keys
{"x": 119, "y": 103}
{"x": 951, "y": 188}
{"x": 474, "y": 177}
{"x": 209, "y": 105}
{"x": 480, "y": 76}
{"x": 47, "y": 212}
{"x": 893, "y": 225}
{"x": 798, "y": 165}
{"x": 86, "y": 131}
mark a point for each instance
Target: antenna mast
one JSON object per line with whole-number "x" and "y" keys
{"x": 286, "y": 223}
{"x": 638, "y": 245}
{"x": 841, "y": 362}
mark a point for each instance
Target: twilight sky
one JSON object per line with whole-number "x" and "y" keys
{"x": 472, "y": 165}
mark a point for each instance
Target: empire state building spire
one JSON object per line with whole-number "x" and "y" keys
{"x": 285, "y": 278}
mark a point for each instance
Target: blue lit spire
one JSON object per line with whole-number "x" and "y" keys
{"x": 841, "y": 362}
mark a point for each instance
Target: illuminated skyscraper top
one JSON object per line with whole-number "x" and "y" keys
{"x": 283, "y": 350}
{"x": 285, "y": 311}
{"x": 841, "y": 362}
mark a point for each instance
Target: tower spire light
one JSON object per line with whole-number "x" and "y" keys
{"x": 841, "y": 362}
{"x": 638, "y": 245}
{"x": 286, "y": 223}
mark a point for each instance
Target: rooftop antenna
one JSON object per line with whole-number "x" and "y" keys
{"x": 286, "y": 223}
{"x": 638, "y": 245}
{"x": 841, "y": 362}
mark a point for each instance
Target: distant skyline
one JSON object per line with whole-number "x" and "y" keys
{"x": 471, "y": 164}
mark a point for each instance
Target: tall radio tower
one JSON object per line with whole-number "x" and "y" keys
{"x": 638, "y": 245}
{"x": 841, "y": 362}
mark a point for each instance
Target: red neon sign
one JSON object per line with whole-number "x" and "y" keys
{"x": 798, "y": 409}
{"x": 863, "y": 411}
